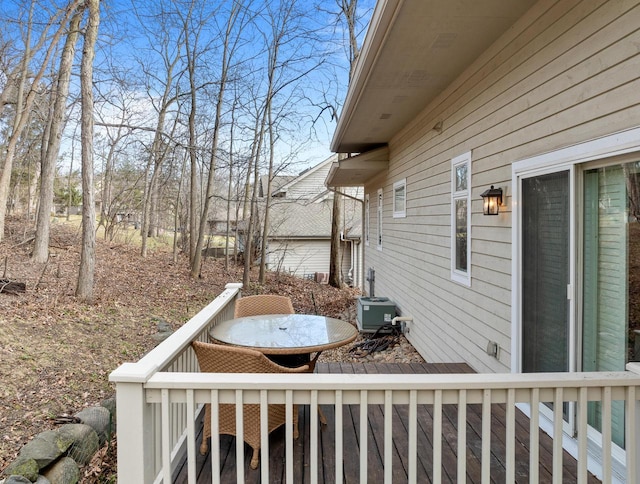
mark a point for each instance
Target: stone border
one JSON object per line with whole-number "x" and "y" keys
{"x": 55, "y": 456}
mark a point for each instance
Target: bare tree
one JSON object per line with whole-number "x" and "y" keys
{"x": 84, "y": 289}
{"x": 231, "y": 42}
{"x": 254, "y": 172}
{"x": 27, "y": 94}
{"x": 163, "y": 71}
{"x": 289, "y": 61}
{"x": 279, "y": 26}
{"x": 118, "y": 101}
{"x": 348, "y": 9}
{"x": 48, "y": 164}
{"x": 191, "y": 54}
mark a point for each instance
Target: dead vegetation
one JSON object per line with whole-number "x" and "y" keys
{"x": 56, "y": 353}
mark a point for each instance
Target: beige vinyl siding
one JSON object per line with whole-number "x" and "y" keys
{"x": 566, "y": 72}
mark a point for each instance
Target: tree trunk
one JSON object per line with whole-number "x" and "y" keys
{"x": 176, "y": 213}
{"x": 335, "y": 273}
{"x": 229, "y": 188}
{"x": 106, "y": 215}
{"x": 24, "y": 104}
{"x": 48, "y": 170}
{"x": 84, "y": 290}
{"x": 12, "y": 287}
{"x": 348, "y": 9}
{"x": 265, "y": 230}
{"x": 253, "y": 215}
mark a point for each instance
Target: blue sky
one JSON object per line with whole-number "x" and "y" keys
{"x": 132, "y": 33}
{"x": 304, "y": 98}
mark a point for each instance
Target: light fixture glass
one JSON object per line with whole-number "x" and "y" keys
{"x": 492, "y": 199}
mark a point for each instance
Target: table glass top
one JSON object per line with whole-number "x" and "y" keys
{"x": 284, "y": 331}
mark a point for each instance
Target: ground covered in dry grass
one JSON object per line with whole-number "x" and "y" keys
{"x": 56, "y": 353}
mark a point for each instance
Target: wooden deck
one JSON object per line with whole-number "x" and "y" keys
{"x": 400, "y": 432}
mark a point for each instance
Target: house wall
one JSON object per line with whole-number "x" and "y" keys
{"x": 301, "y": 257}
{"x": 305, "y": 257}
{"x": 309, "y": 184}
{"x": 568, "y": 71}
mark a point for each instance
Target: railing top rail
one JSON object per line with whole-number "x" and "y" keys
{"x": 323, "y": 381}
{"x": 175, "y": 344}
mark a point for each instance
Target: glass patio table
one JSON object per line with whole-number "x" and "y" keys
{"x": 285, "y": 334}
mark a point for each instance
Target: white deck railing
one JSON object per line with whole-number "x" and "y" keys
{"x": 148, "y": 437}
{"x": 159, "y": 399}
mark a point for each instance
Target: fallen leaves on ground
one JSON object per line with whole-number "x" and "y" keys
{"x": 56, "y": 352}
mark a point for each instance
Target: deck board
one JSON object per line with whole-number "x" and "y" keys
{"x": 375, "y": 441}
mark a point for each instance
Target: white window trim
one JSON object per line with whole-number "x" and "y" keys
{"x": 456, "y": 275}
{"x": 379, "y": 219}
{"x": 400, "y": 213}
{"x": 367, "y": 220}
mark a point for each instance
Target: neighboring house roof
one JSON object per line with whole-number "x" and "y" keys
{"x": 413, "y": 50}
{"x": 308, "y": 183}
{"x": 292, "y": 219}
{"x": 276, "y": 184}
{"x": 218, "y": 212}
{"x": 301, "y": 206}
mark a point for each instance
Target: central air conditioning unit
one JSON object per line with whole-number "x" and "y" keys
{"x": 374, "y": 312}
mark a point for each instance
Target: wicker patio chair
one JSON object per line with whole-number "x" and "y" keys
{"x": 273, "y": 304}
{"x": 262, "y": 304}
{"x": 215, "y": 358}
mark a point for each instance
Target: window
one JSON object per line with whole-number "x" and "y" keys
{"x": 367, "y": 220}
{"x": 461, "y": 218}
{"x": 379, "y": 233}
{"x": 400, "y": 198}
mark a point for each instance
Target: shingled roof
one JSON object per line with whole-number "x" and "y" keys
{"x": 290, "y": 219}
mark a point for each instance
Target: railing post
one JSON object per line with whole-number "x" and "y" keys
{"x": 634, "y": 458}
{"x": 135, "y": 425}
{"x": 235, "y": 285}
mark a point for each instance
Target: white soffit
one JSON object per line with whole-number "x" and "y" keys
{"x": 413, "y": 50}
{"x": 356, "y": 170}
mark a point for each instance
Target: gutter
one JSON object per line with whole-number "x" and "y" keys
{"x": 353, "y": 242}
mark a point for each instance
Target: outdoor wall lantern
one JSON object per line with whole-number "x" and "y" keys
{"x": 492, "y": 199}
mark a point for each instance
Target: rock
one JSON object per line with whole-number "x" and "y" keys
{"x": 164, "y": 326}
{"x": 110, "y": 404}
{"x": 85, "y": 442}
{"x": 161, "y": 336}
{"x": 55, "y": 438}
{"x": 24, "y": 480}
{"x": 65, "y": 471}
{"x": 164, "y": 329}
{"x": 24, "y": 467}
{"x": 99, "y": 419}
{"x": 17, "y": 480}
{"x": 45, "y": 448}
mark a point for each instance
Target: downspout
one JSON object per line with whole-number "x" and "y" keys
{"x": 361, "y": 278}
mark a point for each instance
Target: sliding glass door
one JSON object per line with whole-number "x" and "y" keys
{"x": 545, "y": 273}
{"x": 610, "y": 288}
{"x": 606, "y": 230}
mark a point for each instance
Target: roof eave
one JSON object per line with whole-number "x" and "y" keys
{"x": 381, "y": 20}
{"x": 357, "y": 170}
